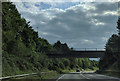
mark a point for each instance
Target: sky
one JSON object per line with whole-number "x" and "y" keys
{"x": 79, "y": 24}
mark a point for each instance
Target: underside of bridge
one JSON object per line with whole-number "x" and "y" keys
{"x": 76, "y": 54}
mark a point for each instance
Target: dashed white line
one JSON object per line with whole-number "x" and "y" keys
{"x": 59, "y": 78}
{"x": 85, "y": 76}
{"x": 90, "y": 75}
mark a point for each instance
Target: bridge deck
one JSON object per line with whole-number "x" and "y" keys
{"x": 77, "y": 54}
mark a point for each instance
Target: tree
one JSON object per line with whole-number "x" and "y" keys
{"x": 118, "y": 26}
{"x": 112, "y": 54}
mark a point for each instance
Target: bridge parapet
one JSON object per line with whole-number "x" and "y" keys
{"x": 77, "y": 53}
{"x": 89, "y": 49}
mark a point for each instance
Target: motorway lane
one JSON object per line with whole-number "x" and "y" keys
{"x": 85, "y": 76}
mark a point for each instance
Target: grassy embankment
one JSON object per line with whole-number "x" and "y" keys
{"x": 113, "y": 71}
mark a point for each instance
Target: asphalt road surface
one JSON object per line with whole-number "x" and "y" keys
{"x": 85, "y": 76}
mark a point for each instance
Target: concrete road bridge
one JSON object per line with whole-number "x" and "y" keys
{"x": 78, "y": 53}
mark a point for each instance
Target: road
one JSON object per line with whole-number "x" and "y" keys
{"x": 85, "y": 76}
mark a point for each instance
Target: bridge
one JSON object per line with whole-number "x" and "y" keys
{"x": 82, "y": 53}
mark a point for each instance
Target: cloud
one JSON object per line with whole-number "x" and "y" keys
{"x": 85, "y": 41}
{"x": 104, "y": 39}
{"x": 64, "y": 1}
{"x": 79, "y": 25}
{"x": 45, "y": 33}
{"x": 110, "y": 13}
{"x": 96, "y": 22}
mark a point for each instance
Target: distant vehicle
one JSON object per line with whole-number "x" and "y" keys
{"x": 77, "y": 70}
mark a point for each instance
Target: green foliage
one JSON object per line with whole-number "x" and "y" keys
{"x": 118, "y": 23}
{"x": 111, "y": 58}
{"x": 61, "y": 47}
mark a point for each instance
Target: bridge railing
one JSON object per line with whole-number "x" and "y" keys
{"x": 89, "y": 49}
{"x": 76, "y": 49}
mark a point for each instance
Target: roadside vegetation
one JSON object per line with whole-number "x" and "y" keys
{"x": 110, "y": 64}
{"x": 40, "y": 76}
{"x": 23, "y": 51}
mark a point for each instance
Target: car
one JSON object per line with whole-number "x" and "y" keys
{"x": 77, "y": 70}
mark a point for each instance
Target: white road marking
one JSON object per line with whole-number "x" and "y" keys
{"x": 59, "y": 78}
{"x": 90, "y": 75}
{"x": 85, "y": 76}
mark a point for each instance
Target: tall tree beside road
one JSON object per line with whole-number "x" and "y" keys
{"x": 111, "y": 59}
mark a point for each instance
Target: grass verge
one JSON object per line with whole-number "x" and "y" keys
{"x": 110, "y": 73}
{"x": 41, "y": 76}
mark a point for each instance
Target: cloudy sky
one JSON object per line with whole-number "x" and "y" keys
{"x": 79, "y": 24}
